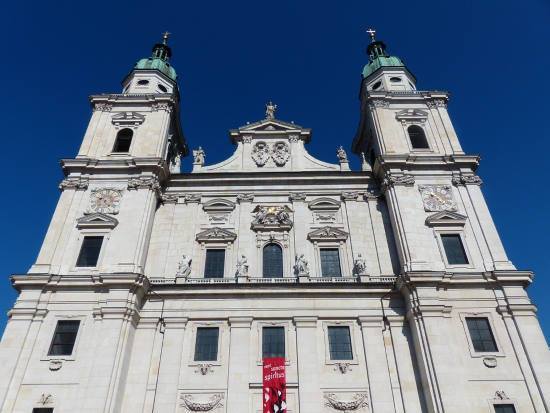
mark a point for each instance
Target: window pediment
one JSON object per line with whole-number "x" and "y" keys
{"x": 127, "y": 119}
{"x": 216, "y": 234}
{"x": 324, "y": 204}
{"x": 96, "y": 220}
{"x": 411, "y": 115}
{"x": 218, "y": 205}
{"x": 446, "y": 218}
{"x": 327, "y": 234}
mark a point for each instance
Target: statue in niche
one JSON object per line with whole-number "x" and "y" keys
{"x": 184, "y": 267}
{"x": 359, "y": 265}
{"x": 199, "y": 156}
{"x": 342, "y": 155}
{"x": 242, "y": 267}
{"x": 301, "y": 266}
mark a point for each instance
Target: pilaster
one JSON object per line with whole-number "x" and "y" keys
{"x": 309, "y": 391}
{"x": 239, "y": 364}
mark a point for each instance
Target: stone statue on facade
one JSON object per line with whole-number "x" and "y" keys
{"x": 301, "y": 266}
{"x": 270, "y": 109}
{"x": 359, "y": 265}
{"x": 175, "y": 164}
{"x": 342, "y": 155}
{"x": 199, "y": 156}
{"x": 184, "y": 267}
{"x": 242, "y": 267}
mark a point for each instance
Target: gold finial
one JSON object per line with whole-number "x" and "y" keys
{"x": 165, "y": 36}
{"x": 372, "y": 34}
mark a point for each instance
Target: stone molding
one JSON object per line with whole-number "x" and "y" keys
{"x": 297, "y": 196}
{"x": 96, "y": 220}
{"x": 357, "y": 402}
{"x": 467, "y": 180}
{"x": 216, "y": 234}
{"x": 436, "y": 103}
{"x": 306, "y": 321}
{"x": 190, "y": 404}
{"x": 247, "y": 197}
{"x": 74, "y": 183}
{"x": 144, "y": 182}
{"x": 192, "y": 198}
{"x": 391, "y": 180}
{"x": 350, "y": 196}
{"x": 328, "y": 233}
{"x": 102, "y": 107}
{"x": 165, "y": 106}
{"x": 240, "y": 322}
{"x": 127, "y": 119}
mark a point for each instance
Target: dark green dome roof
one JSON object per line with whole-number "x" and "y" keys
{"x": 379, "y": 58}
{"x": 159, "y": 60}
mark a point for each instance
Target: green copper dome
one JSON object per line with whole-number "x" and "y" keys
{"x": 379, "y": 58}
{"x": 159, "y": 60}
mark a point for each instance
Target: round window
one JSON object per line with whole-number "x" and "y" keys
{"x": 395, "y": 79}
{"x": 143, "y": 82}
{"x": 376, "y": 85}
{"x": 162, "y": 88}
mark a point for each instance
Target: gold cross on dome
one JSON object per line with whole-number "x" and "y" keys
{"x": 371, "y": 33}
{"x": 165, "y": 36}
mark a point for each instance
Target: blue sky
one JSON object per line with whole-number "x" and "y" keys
{"x": 307, "y": 57}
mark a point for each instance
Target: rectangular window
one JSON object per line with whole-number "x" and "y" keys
{"x": 273, "y": 342}
{"x": 330, "y": 262}
{"x": 481, "y": 334}
{"x": 64, "y": 338}
{"x": 42, "y": 410}
{"x": 89, "y": 251}
{"x": 454, "y": 250}
{"x": 504, "y": 408}
{"x": 214, "y": 263}
{"x": 206, "y": 345}
{"x": 339, "y": 341}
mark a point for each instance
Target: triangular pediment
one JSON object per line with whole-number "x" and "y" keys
{"x": 216, "y": 234}
{"x": 446, "y": 218}
{"x": 327, "y": 234}
{"x": 324, "y": 204}
{"x": 270, "y": 125}
{"x": 97, "y": 220}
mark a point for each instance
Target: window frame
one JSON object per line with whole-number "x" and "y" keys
{"x": 282, "y": 240}
{"x": 80, "y": 239}
{"x": 352, "y": 326}
{"x": 81, "y": 249}
{"x": 50, "y": 331}
{"x": 282, "y": 258}
{"x": 339, "y": 252}
{"x": 480, "y": 354}
{"x": 345, "y": 259}
{"x": 259, "y": 332}
{"x": 224, "y": 261}
{"x": 454, "y": 231}
{"x": 196, "y": 341}
{"x": 113, "y": 152}
{"x": 222, "y": 331}
{"x": 422, "y": 122}
{"x": 43, "y": 409}
{"x": 497, "y": 401}
{"x": 347, "y": 328}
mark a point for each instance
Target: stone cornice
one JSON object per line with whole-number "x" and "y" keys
{"x": 465, "y": 279}
{"x": 427, "y": 161}
{"x": 130, "y": 281}
{"x": 116, "y": 98}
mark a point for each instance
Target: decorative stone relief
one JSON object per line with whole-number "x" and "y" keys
{"x": 379, "y": 103}
{"x": 437, "y": 198}
{"x": 103, "y": 107}
{"x": 297, "y": 196}
{"x": 294, "y": 138}
{"x": 350, "y": 196}
{"x": 192, "y": 198}
{"x": 169, "y": 198}
{"x": 190, "y": 404}
{"x": 127, "y": 119}
{"x": 271, "y": 218}
{"x": 391, "y": 180}
{"x": 342, "y": 367}
{"x": 260, "y": 153}
{"x": 184, "y": 267}
{"x": 280, "y": 153}
{"x": 55, "y": 365}
{"x": 301, "y": 266}
{"x": 45, "y": 399}
{"x": 204, "y": 369}
{"x": 218, "y": 218}
{"x": 436, "y": 103}
{"x": 327, "y": 233}
{"x": 74, "y": 183}
{"x": 245, "y": 197}
{"x": 105, "y": 200}
{"x": 325, "y": 217}
{"x": 358, "y": 401}
{"x": 500, "y": 395}
{"x": 247, "y": 139}
{"x": 167, "y": 107}
{"x": 147, "y": 182}
{"x": 490, "y": 362}
{"x": 216, "y": 234}
{"x": 467, "y": 180}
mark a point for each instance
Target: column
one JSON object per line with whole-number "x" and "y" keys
{"x": 309, "y": 392}
{"x": 239, "y": 364}
{"x": 381, "y": 395}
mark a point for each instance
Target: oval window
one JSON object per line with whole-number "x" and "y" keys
{"x": 163, "y": 88}
{"x": 143, "y": 82}
{"x": 376, "y": 85}
{"x": 395, "y": 79}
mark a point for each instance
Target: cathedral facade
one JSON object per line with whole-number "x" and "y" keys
{"x": 385, "y": 289}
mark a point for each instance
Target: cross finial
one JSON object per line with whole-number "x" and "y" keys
{"x": 372, "y": 34}
{"x": 165, "y": 36}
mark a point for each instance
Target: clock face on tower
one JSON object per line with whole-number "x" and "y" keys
{"x": 105, "y": 200}
{"x": 437, "y": 198}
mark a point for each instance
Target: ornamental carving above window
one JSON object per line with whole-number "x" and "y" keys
{"x": 271, "y": 218}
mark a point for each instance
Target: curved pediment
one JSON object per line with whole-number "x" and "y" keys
{"x": 324, "y": 204}
{"x": 218, "y": 205}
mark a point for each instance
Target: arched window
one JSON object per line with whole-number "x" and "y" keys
{"x": 123, "y": 140}
{"x": 417, "y": 137}
{"x": 273, "y": 261}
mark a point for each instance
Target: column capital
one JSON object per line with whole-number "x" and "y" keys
{"x": 372, "y": 321}
{"x": 175, "y": 322}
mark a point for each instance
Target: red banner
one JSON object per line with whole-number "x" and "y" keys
{"x": 274, "y": 385}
